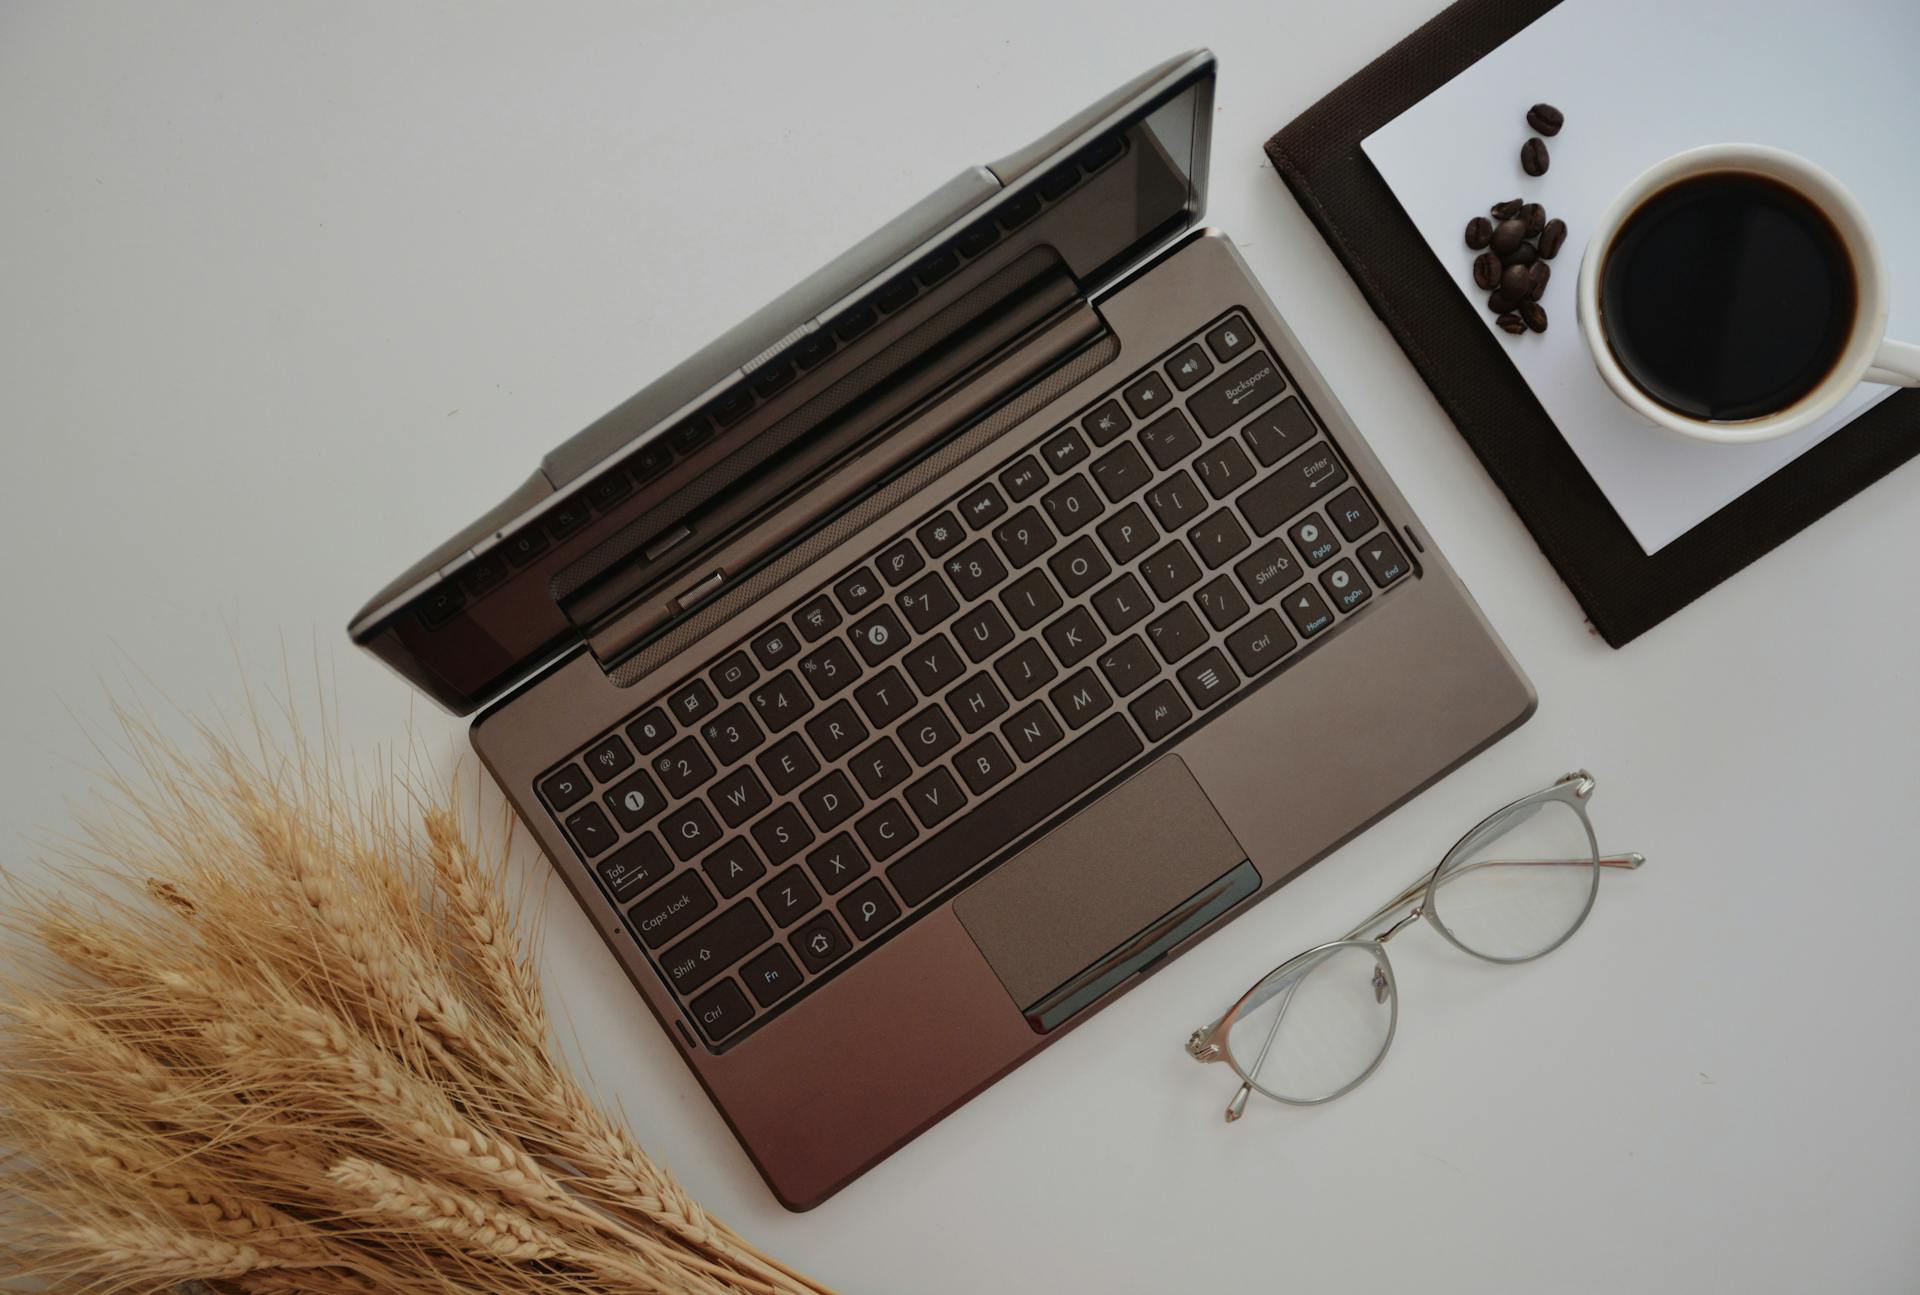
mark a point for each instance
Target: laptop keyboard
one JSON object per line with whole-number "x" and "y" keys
{"x": 813, "y": 789}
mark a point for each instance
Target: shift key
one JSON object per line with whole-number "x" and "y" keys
{"x": 715, "y": 947}
{"x": 1295, "y": 486}
{"x": 1244, "y": 388}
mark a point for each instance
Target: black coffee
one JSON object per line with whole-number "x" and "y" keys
{"x": 1727, "y": 296}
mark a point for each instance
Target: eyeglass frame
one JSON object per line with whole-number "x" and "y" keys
{"x": 1209, "y": 1042}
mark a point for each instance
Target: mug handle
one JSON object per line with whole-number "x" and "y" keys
{"x": 1896, "y": 363}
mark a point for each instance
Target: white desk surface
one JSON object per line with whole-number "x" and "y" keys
{"x": 290, "y": 292}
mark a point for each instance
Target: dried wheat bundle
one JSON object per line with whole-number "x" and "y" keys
{"x": 276, "y": 1032}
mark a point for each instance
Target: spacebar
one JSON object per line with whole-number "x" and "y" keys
{"x": 1014, "y": 810}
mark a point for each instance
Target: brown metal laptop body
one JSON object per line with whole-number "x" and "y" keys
{"x": 998, "y": 613}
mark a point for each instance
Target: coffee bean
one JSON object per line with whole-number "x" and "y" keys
{"x": 1533, "y": 156}
{"x": 1506, "y": 210}
{"x": 1479, "y": 232}
{"x": 1486, "y": 270}
{"x": 1525, "y": 254}
{"x": 1511, "y": 323}
{"x": 1546, "y": 119}
{"x": 1535, "y": 216}
{"x": 1537, "y": 275}
{"x": 1515, "y": 281}
{"x": 1534, "y": 316}
{"x": 1507, "y": 235}
{"x": 1551, "y": 237}
{"x": 1502, "y": 301}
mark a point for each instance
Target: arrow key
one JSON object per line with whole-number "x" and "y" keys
{"x": 1308, "y": 611}
{"x": 1384, "y": 562}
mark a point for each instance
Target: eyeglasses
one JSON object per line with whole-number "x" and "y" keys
{"x": 1513, "y": 889}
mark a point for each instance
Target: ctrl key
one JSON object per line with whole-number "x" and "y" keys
{"x": 721, "y": 1010}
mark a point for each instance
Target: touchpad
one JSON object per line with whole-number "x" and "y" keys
{"x": 1106, "y": 892}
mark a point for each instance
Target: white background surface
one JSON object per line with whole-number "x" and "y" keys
{"x": 290, "y": 292}
{"x": 1654, "y": 78}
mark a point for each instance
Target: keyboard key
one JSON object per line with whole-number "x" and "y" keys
{"x": 1169, "y": 439}
{"x": 1268, "y": 569}
{"x": 671, "y": 909}
{"x": 900, "y": 561}
{"x": 837, "y": 863}
{"x": 928, "y": 735}
{"x": 1170, "y": 569}
{"x": 1147, "y": 396}
{"x": 983, "y": 505}
{"x": 1129, "y": 667}
{"x": 881, "y": 767}
{"x": 817, "y": 618}
{"x": 1189, "y": 366}
{"x": 721, "y": 1011}
{"x": 564, "y": 790}
{"x": 887, "y": 830}
{"x": 683, "y": 767}
{"x": 1218, "y": 537}
{"x": 609, "y": 759}
{"x": 1352, "y": 514}
{"x": 1294, "y": 487}
{"x": 1160, "y": 710}
{"x": 1023, "y": 537}
{"x": 690, "y": 830}
{"x": 734, "y": 673}
{"x": 769, "y": 976}
{"x": 857, "y": 591}
{"x": 712, "y": 948}
{"x": 1032, "y": 732}
{"x": 934, "y": 798}
{"x": 831, "y": 801}
{"x": 790, "y": 896}
{"x": 1127, "y": 534}
{"x": 1066, "y": 448}
{"x": 975, "y": 569}
{"x": 733, "y": 867}
{"x": 788, "y": 763}
{"x": 692, "y": 703}
{"x": 927, "y": 602}
{"x": 869, "y": 910}
{"x": 1014, "y": 810}
{"x": 1023, "y": 478}
{"x": 829, "y": 669}
{"x": 977, "y": 702}
{"x": 1071, "y": 504}
{"x": 1025, "y": 669}
{"x": 1314, "y": 538}
{"x": 1224, "y": 469}
{"x": 982, "y": 632}
{"x": 1074, "y": 636}
{"x": 1080, "y": 699}
{"x": 1259, "y": 643}
{"x": 878, "y": 635}
{"x": 1106, "y": 421}
{"x": 1079, "y": 567}
{"x": 650, "y": 731}
{"x": 1236, "y": 393}
{"x": 1222, "y": 602}
{"x": 1280, "y": 431}
{"x": 1384, "y": 562}
{"x": 1230, "y": 339}
{"x": 1122, "y": 604}
{"x": 781, "y": 835}
{"x": 633, "y": 867}
{"x": 651, "y": 462}
{"x": 884, "y": 698}
{"x": 941, "y": 534}
{"x": 1120, "y": 472}
{"x": 1344, "y": 585}
{"x": 774, "y": 645}
{"x": 821, "y": 943}
{"x": 635, "y": 800}
{"x": 934, "y": 664}
{"x": 1308, "y": 611}
{"x": 1030, "y": 599}
{"x": 1176, "y": 501}
{"x": 836, "y": 730}
{"x": 732, "y": 734}
{"x": 780, "y": 701}
{"x": 1177, "y": 634}
{"x": 524, "y": 548}
{"x": 984, "y": 763}
{"x": 739, "y": 795}
{"x": 1207, "y": 678}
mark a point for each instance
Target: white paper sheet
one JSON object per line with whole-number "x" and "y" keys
{"x": 1639, "y": 80}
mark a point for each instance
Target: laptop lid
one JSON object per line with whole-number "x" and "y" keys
{"x": 625, "y": 509}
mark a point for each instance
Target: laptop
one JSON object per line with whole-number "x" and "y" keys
{"x": 903, "y": 677}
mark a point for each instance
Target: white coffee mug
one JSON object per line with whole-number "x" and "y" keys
{"x": 1868, "y": 355}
